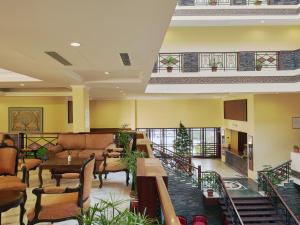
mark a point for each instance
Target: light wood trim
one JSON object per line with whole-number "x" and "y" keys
{"x": 150, "y": 151}
{"x": 166, "y": 204}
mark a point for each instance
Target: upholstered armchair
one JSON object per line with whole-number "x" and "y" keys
{"x": 112, "y": 163}
{"x": 55, "y": 204}
{"x": 8, "y": 175}
{"x": 30, "y": 163}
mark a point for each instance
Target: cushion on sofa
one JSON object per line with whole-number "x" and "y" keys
{"x": 85, "y": 154}
{"x": 71, "y": 141}
{"x": 98, "y": 141}
{"x": 64, "y": 154}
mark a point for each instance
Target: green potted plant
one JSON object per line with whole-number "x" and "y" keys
{"x": 258, "y": 65}
{"x": 258, "y": 2}
{"x": 109, "y": 212}
{"x": 214, "y": 65}
{"x": 170, "y": 61}
{"x": 212, "y": 2}
{"x": 296, "y": 148}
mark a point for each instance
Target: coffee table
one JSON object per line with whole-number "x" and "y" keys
{"x": 57, "y": 166}
{"x": 12, "y": 199}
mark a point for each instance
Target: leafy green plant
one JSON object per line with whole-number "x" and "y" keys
{"x": 258, "y": 65}
{"x": 124, "y": 137}
{"x": 268, "y": 171}
{"x": 170, "y": 61}
{"x": 109, "y": 212}
{"x": 214, "y": 63}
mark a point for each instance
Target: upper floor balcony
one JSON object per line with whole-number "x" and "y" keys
{"x": 207, "y": 63}
{"x": 235, "y": 2}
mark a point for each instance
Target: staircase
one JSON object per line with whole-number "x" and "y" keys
{"x": 258, "y": 210}
{"x": 291, "y": 194}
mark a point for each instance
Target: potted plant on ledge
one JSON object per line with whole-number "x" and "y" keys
{"x": 212, "y": 2}
{"x": 170, "y": 61}
{"x": 296, "y": 148}
{"x": 258, "y": 2}
{"x": 214, "y": 65}
{"x": 258, "y": 65}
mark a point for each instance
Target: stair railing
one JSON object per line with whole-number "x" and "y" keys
{"x": 204, "y": 179}
{"x": 277, "y": 174}
{"x": 279, "y": 204}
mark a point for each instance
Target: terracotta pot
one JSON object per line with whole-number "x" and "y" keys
{"x": 213, "y": 3}
{"x": 210, "y": 192}
{"x": 134, "y": 205}
{"x": 169, "y": 69}
{"x": 258, "y": 68}
{"x": 214, "y": 68}
{"x": 296, "y": 150}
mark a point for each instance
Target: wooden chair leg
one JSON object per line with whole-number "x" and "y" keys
{"x": 100, "y": 180}
{"x": 57, "y": 181}
{"x": 127, "y": 178}
{"x": 105, "y": 176}
{"x": 27, "y": 178}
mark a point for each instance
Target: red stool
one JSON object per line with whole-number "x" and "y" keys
{"x": 200, "y": 220}
{"x": 182, "y": 220}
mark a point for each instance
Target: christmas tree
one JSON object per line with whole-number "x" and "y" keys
{"x": 183, "y": 142}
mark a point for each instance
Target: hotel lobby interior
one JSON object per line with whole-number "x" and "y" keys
{"x": 175, "y": 112}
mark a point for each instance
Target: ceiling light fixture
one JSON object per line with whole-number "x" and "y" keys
{"x": 22, "y": 85}
{"x": 75, "y": 44}
{"x": 106, "y": 73}
{"x": 262, "y": 21}
{"x": 121, "y": 91}
{"x": 117, "y": 87}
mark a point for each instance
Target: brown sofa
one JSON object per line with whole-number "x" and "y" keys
{"x": 82, "y": 145}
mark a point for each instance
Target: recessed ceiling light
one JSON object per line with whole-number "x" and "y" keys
{"x": 262, "y": 21}
{"x": 75, "y": 44}
{"x": 121, "y": 91}
{"x": 117, "y": 87}
{"x": 106, "y": 73}
{"x": 22, "y": 85}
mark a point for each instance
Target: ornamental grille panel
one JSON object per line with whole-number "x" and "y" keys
{"x": 266, "y": 59}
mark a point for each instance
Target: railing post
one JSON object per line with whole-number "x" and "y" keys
{"x": 199, "y": 176}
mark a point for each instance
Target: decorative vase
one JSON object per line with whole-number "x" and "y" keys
{"x": 214, "y": 68}
{"x": 69, "y": 158}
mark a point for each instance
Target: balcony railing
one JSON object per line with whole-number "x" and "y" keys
{"x": 188, "y": 62}
{"x": 235, "y": 2}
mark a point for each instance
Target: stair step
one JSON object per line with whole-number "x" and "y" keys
{"x": 256, "y": 213}
{"x": 254, "y": 207}
{"x": 251, "y": 201}
{"x": 261, "y": 219}
{"x": 275, "y": 223}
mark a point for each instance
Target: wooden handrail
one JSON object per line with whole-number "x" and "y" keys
{"x": 280, "y": 198}
{"x": 166, "y": 204}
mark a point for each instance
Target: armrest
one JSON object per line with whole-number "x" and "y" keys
{"x": 111, "y": 146}
{"x": 55, "y": 149}
{"x": 54, "y": 190}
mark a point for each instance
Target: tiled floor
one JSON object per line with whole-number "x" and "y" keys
{"x": 216, "y": 165}
{"x": 114, "y": 187}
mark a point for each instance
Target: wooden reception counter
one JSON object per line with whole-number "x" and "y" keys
{"x": 237, "y": 162}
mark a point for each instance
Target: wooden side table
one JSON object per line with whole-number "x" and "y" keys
{"x": 12, "y": 199}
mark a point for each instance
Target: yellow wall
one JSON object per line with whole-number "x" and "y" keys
{"x": 55, "y": 111}
{"x": 187, "y": 39}
{"x": 274, "y": 136}
{"x": 168, "y": 113}
{"x": 112, "y": 114}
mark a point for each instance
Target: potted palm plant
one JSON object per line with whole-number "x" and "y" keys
{"x": 258, "y": 2}
{"x": 170, "y": 61}
{"x": 258, "y": 65}
{"x": 212, "y": 2}
{"x": 214, "y": 65}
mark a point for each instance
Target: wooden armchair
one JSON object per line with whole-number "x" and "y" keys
{"x": 55, "y": 204}
{"x": 112, "y": 163}
{"x": 8, "y": 175}
{"x": 30, "y": 163}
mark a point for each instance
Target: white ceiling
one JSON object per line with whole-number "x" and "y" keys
{"x": 103, "y": 28}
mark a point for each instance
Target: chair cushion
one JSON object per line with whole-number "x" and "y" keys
{"x": 8, "y": 157}
{"x": 113, "y": 164}
{"x": 85, "y": 154}
{"x": 64, "y": 154}
{"x": 71, "y": 141}
{"x": 70, "y": 175}
{"x": 58, "y": 206}
{"x": 11, "y": 183}
{"x": 32, "y": 163}
{"x": 98, "y": 141}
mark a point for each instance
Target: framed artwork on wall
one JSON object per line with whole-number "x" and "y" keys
{"x": 296, "y": 122}
{"x": 25, "y": 119}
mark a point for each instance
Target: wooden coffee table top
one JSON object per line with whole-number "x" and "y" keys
{"x": 59, "y": 163}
